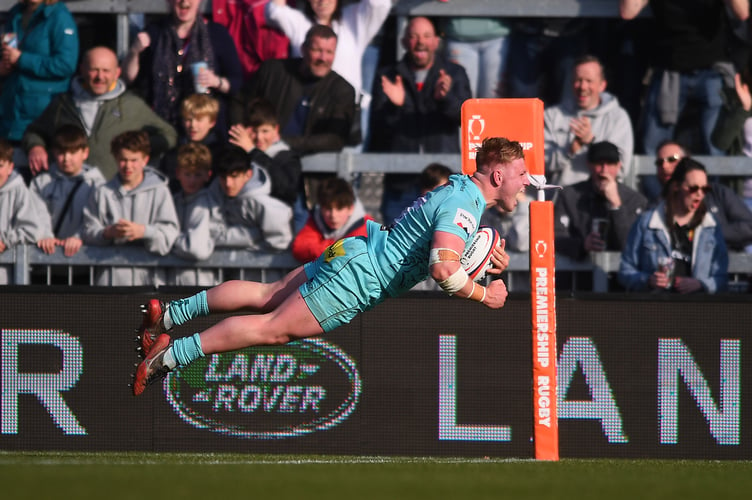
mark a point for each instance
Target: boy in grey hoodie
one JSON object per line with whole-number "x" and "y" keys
{"x": 65, "y": 190}
{"x": 22, "y": 217}
{"x": 134, "y": 208}
{"x": 251, "y": 217}
{"x": 194, "y": 206}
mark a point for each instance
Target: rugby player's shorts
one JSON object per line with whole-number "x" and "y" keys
{"x": 341, "y": 283}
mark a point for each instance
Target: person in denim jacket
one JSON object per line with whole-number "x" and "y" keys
{"x": 678, "y": 245}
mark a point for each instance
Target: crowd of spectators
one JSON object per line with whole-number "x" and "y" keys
{"x": 193, "y": 140}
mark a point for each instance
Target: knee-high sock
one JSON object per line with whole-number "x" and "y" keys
{"x": 183, "y": 310}
{"x": 187, "y": 349}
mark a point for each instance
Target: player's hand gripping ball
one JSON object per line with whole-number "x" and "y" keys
{"x": 476, "y": 259}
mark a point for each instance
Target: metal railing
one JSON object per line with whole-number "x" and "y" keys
{"x": 27, "y": 260}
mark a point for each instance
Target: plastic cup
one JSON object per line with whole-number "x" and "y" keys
{"x": 197, "y": 68}
{"x": 10, "y": 40}
{"x": 666, "y": 265}
{"x": 600, "y": 227}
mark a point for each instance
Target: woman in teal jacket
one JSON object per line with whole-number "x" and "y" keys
{"x": 37, "y": 64}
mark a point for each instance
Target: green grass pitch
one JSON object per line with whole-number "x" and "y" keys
{"x": 112, "y": 476}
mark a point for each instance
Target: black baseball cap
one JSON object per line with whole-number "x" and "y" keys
{"x": 603, "y": 152}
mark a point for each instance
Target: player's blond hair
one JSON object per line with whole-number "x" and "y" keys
{"x": 495, "y": 150}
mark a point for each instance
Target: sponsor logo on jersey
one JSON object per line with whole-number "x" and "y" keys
{"x": 465, "y": 220}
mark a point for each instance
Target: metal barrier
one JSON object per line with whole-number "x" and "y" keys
{"x": 28, "y": 259}
{"x": 266, "y": 267}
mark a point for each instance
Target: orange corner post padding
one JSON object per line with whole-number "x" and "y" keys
{"x": 519, "y": 120}
{"x": 543, "y": 302}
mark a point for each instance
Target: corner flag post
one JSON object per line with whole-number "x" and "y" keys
{"x": 521, "y": 120}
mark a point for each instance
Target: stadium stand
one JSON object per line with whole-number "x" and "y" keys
{"x": 402, "y": 10}
{"x": 255, "y": 265}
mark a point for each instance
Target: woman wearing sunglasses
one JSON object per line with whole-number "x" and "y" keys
{"x": 728, "y": 208}
{"x": 678, "y": 245}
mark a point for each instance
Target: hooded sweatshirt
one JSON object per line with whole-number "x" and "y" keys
{"x": 88, "y": 104}
{"x": 316, "y": 236}
{"x": 196, "y": 239}
{"x": 150, "y": 203}
{"x": 253, "y": 219}
{"x": 23, "y": 219}
{"x": 609, "y": 122}
{"x": 54, "y": 188}
{"x": 103, "y": 117}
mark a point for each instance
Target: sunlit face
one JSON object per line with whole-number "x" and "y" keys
{"x": 6, "y": 168}
{"x": 335, "y": 217}
{"x": 232, "y": 183}
{"x": 131, "y": 166}
{"x": 71, "y": 162}
{"x": 266, "y": 135}
{"x": 324, "y": 9}
{"x": 319, "y": 55}
{"x": 100, "y": 71}
{"x": 198, "y": 127}
{"x": 192, "y": 179}
{"x": 667, "y": 158}
{"x": 514, "y": 180}
{"x": 602, "y": 173}
{"x": 588, "y": 85}
{"x": 421, "y": 42}
{"x": 692, "y": 190}
{"x": 185, "y": 11}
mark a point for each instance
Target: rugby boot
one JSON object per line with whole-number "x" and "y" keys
{"x": 152, "y": 325}
{"x": 153, "y": 367}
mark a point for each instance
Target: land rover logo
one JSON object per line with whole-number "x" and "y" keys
{"x": 267, "y": 392}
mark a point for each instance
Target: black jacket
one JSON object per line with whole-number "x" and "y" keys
{"x": 285, "y": 171}
{"x": 283, "y": 83}
{"x": 732, "y": 214}
{"x": 422, "y": 124}
{"x": 578, "y": 204}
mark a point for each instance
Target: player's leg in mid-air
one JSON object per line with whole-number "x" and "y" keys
{"x": 290, "y": 321}
{"x": 332, "y": 291}
{"x": 229, "y": 296}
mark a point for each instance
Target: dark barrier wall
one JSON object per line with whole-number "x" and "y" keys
{"x": 420, "y": 375}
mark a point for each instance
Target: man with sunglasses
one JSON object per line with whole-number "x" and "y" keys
{"x": 723, "y": 203}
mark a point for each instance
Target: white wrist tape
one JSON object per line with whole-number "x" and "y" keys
{"x": 437, "y": 255}
{"x": 455, "y": 282}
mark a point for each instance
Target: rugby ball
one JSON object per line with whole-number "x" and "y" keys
{"x": 476, "y": 259}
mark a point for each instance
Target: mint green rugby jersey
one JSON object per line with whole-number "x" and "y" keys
{"x": 399, "y": 251}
